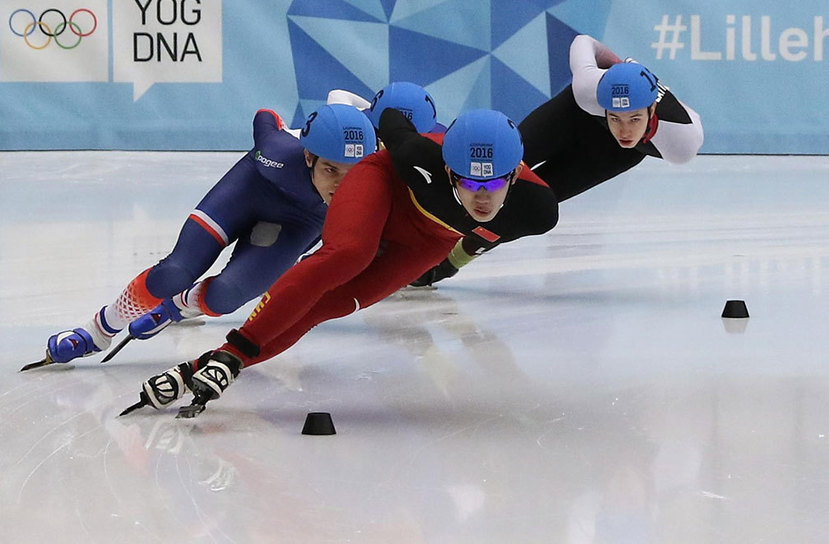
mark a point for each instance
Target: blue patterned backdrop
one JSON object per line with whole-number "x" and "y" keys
{"x": 189, "y": 74}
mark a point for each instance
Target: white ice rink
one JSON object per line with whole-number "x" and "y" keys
{"x": 579, "y": 387}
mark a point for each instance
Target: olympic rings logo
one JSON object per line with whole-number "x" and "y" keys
{"x": 38, "y": 23}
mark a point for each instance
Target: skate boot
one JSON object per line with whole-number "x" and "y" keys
{"x": 156, "y": 320}
{"x": 165, "y": 388}
{"x": 68, "y": 345}
{"x": 169, "y": 386}
{"x": 153, "y": 322}
{"x": 93, "y": 337}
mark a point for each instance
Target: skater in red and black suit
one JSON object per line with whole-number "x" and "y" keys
{"x": 397, "y": 213}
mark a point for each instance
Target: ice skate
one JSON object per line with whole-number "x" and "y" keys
{"x": 152, "y": 323}
{"x": 67, "y": 346}
{"x": 165, "y": 388}
{"x": 211, "y": 380}
{"x": 95, "y": 336}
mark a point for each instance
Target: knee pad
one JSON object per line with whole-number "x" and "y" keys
{"x": 265, "y": 234}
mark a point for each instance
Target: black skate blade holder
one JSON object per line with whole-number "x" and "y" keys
{"x": 134, "y": 407}
{"x": 47, "y": 360}
{"x": 117, "y": 348}
{"x": 144, "y": 401}
{"x": 196, "y": 407}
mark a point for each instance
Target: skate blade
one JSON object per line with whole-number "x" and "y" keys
{"x": 419, "y": 288}
{"x": 189, "y": 322}
{"x": 117, "y": 348}
{"x": 37, "y": 364}
{"x": 191, "y": 411}
{"x": 134, "y": 407}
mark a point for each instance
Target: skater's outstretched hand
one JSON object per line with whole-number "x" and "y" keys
{"x": 441, "y": 271}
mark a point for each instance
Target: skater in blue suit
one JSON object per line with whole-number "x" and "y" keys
{"x": 270, "y": 206}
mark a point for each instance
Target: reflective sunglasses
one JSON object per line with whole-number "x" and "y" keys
{"x": 474, "y": 185}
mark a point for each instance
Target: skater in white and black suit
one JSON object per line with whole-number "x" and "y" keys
{"x": 613, "y": 115}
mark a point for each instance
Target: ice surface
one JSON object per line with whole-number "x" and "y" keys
{"x": 577, "y": 387}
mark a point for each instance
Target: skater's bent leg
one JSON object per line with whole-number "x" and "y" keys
{"x": 396, "y": 267}
{"x": 254, "y": 267}
{"x": 194, "y": 252}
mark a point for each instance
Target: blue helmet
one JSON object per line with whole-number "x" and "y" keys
{"x": 627, "y": 86}
{"x": 482, "y": 144}
{"x": 338, "y": 133}
{"x": 413, "y": 100}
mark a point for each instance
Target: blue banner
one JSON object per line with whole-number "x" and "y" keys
{"x": 189, "y": 74}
